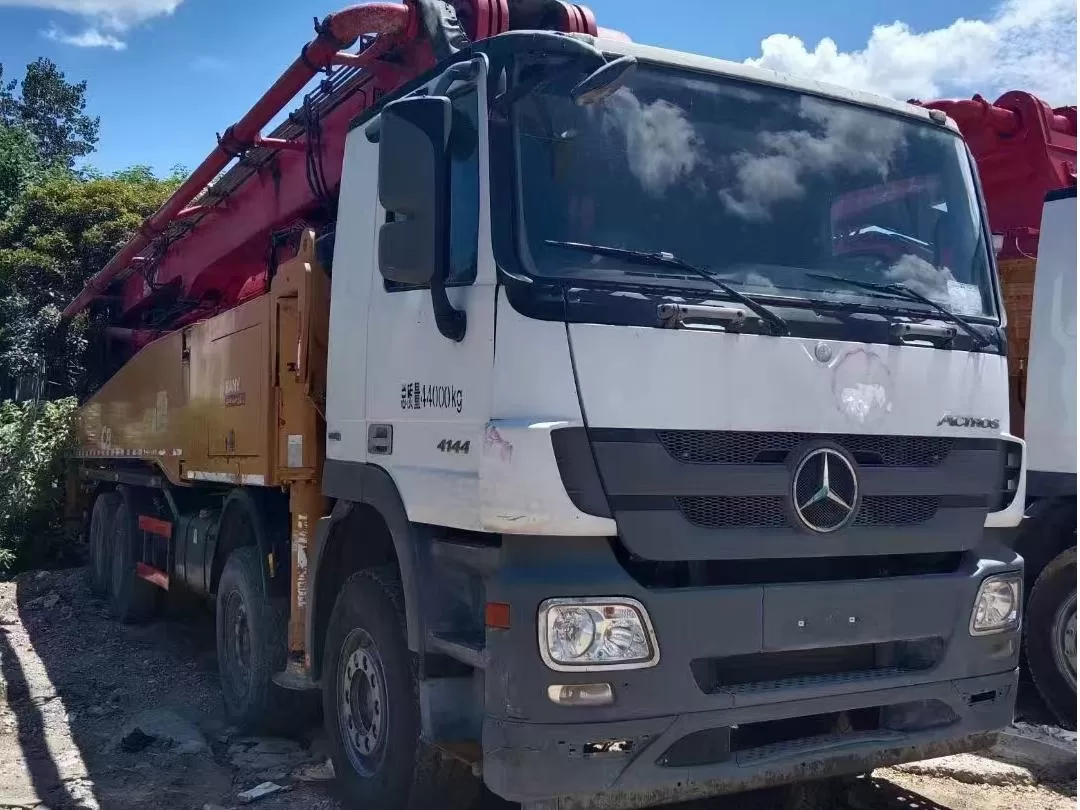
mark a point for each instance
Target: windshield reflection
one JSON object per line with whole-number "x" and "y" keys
{"x": 761, "y": 185}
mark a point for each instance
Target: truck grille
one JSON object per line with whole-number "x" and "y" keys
{"x": 789, "y": 669}
{"x": 768, "y": 512}
{"x": 723, "y": 447}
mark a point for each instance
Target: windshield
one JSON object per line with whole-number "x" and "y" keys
{"x": 761, "y": 185}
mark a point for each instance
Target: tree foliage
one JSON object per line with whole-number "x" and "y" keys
{"x": 54, "y": 237}
{"x": 52, "y": 110}
{"x": 34, "y": 439}
{"x": 59, "y": 225}
{"x": 20, "y": 164}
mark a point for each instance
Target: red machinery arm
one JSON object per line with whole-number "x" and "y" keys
{"x": 390, "y": 21}
{"x": 206, "y": 248}
{"x": 1024, "y": 149}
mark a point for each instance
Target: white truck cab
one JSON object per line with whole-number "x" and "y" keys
{"x": 683, "y": 385}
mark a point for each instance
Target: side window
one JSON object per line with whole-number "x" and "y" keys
{"x": 464, "y": 191}
{"x": 464, "y": 195}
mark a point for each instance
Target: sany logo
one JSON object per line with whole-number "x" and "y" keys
{"x": 969, "y": 422}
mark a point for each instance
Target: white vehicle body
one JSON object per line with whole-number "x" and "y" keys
{"x": 516, "y": 375}
{"x": 547, "y": 434}
{"x": 1050, "y": 405}
{"x": 1047, "y": 539}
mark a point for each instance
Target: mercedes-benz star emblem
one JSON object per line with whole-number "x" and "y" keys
{"x": 825, "y": 490}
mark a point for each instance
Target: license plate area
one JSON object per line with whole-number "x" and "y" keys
{"x": 842, "y": 613}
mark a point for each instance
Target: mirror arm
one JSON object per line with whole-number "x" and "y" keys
{"x": 460, "y": 72}
{"x": 451, "y": 322}
{"x": 549, "y": 43}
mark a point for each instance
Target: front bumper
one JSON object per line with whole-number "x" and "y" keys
{"x": 734, "y": 737}
{"x": 533, "y": 762}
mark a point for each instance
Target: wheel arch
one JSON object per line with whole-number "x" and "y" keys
{"x": 369, "y": 506}
{"x": 266, "y": 519}
{"x": 1048, "y": 529}
{"x": 91, "y": 497}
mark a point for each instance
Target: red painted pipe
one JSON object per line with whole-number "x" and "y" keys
{"x": 299, "y": 145}
{"x": 391, "y": 22}
{"x": 968, "y": 113}
{"x": 187, "y": 213}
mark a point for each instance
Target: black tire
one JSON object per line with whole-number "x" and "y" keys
{"x": 131, "y": 599}
{"x": 397, "y": 770}
{"x": 100, "y": 528}
{"x": 1052, "y": 598}
{"x": 252, "y": 638}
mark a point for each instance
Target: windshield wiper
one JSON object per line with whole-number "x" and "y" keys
{"x": 777, "y": 325}
{"x": 903, "y": 291}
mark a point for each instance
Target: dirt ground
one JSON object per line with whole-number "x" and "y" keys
{"x": 98, "y": 715}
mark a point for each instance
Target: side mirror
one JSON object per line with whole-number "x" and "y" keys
{"x": 414, "y": 180}
{"x": 603, "y": 81}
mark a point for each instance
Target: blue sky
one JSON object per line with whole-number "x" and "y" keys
{"x": 165, "y": 75}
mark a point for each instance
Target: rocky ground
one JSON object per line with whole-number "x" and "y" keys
{"x": 97, "y": 715}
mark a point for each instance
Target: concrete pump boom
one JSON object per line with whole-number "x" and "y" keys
{"x": 205, "y": 249}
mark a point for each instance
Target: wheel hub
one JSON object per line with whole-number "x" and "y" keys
{"x": 362, "y": 712}
{"x": 1065, "y": 639}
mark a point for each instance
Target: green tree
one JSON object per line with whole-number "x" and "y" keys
{"x": 34, "y": 439}
{"x": 52, "y": 109}
{"x": 19, "y": 164}
{"x": 58, "y": 233}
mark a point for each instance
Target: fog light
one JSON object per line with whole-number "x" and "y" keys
{"x": 585, "y": 634}
{"x": 581, "y": 694}
{"x": 997, "y": 605}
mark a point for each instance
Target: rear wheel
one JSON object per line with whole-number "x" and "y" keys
{"x": 100, "y": 528}
{"x": 1050, "y": 636}
{"x": 251, "y": 648}
{"x": 371, "y": 705}
{"x": 131, "y": 599}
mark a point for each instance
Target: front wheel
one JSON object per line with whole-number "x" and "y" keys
{"x": 1050, "y": 636}
{"x": 371, "y": 705}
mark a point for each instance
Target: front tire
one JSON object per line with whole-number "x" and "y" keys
{"x": 371, "y": 705}
{"x": 1050, "y": 636}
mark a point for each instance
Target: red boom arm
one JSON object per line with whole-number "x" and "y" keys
{"x": 207, "y": 247}
{"x": 1023, "y": 149}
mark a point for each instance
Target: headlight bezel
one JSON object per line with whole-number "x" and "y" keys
{"x": 594, "y": 602}
{"x": 1016, "y": 580}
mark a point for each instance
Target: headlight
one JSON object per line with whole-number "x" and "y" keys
{"x": 997, "y": 605}
{"x": 585, "y": 634}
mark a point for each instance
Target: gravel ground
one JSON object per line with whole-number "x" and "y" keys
{"x": 97, "y": 715}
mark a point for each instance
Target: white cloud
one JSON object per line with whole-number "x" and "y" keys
{"x": 106, "y": 19}
{"x": 90, "y": 38}
{"x": 1022, "y": 45}
{"x": 114, "y": 14}
{"x": 831, "y": 136}
{"x": 661, "y": 144}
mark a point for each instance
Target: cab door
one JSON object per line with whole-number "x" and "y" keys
{"x": 428, "y": 396}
